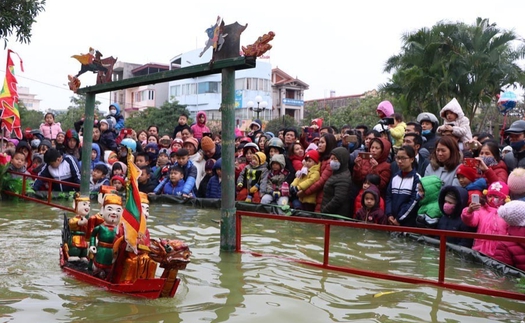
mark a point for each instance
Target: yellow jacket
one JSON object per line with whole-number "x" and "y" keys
{"x": 305, "y": 182}
{"x": 398, "y": 134}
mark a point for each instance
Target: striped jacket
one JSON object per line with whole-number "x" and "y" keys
{"x": 401, "y": 199}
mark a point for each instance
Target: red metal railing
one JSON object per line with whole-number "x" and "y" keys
{"x": 429, "y": 232}
{"x": 49, "y": 181}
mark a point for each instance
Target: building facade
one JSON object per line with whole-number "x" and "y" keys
{"x": 139, "y": 98}
{"x": 30, "y": 101}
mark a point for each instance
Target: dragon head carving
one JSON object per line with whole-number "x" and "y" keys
{"x": 170, "y": 253}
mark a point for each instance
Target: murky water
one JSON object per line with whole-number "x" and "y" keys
{"x": 220, "y": 287}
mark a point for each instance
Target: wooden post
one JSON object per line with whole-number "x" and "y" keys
{"x": 87, "y": 143}
{"x": 228, "y": 220}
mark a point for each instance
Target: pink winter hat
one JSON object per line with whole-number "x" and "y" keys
{"x": 386, "y": 107}
{"x": 516, "y": 181}
{"x": 499, "y": 189}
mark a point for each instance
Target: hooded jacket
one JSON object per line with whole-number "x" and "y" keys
{"x": 304, "y": 182}
{"x": 199, "y": 128}
{"x": 254, "y": 133}
{"x": 108, "y": 137}
{"x": 429, "y": 211}
{"x": 453, "y": 221}
{"x": 337, "y": 188}
{"x": 382, "y": 169}
{"x": 461, "y": 126}
{"x": 213, "y": 189}
{"x": 376, "y": 213}
{"x": 274, "y": 180}
{"x": 119, "y": 118}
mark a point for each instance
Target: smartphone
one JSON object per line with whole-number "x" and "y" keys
{"x": 475, "y": 198}
{"x": 365, "y": 155}
{"x": 471, "y": 162}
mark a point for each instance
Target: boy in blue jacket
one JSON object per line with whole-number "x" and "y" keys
{"x": 175, "y": 184}
{"x": 213, "y": 189}
{"x": 190, "y": 174}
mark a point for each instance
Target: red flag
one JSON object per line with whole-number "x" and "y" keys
{"x": 9, "y": 113}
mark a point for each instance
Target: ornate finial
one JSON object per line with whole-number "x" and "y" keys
{"x": 260, "y": 46}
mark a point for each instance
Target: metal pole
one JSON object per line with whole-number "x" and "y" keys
{"x": 89, "y": 120}
{"x": 228, "y": 219}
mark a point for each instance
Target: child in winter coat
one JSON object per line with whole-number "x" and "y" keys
{"x": 397, "y": 131}
{"x": 452, "y": 201}
{"x": 190, "y": 174}
{"x": 274, "y": 187}
{"x": 18, "y": 164}
{"x": 370, "y": 179}
{"x": 469, "y": 179}
{"x": 370, "y": 210}
{"x": 175, "y": 184}
{"x": 484, "y": 217}
{"x": 49, "y": 128}
{"x": 427, "y": 194}
{"x": 512, "y": 253}
{"x": 304, "y": 181}
{"x": 200, "y": 126}
{"x": 250, "y": 179}
{"x": 455, "y": 121}
{"x": 107, "y": 135}
{"x": 213, "y": 189}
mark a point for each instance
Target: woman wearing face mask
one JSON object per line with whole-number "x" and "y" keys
{"x": 484, "y": 217}
{"x": 491, "y": 165}
{"x": 452, "y": 200}
{"x": 337, "y": 187}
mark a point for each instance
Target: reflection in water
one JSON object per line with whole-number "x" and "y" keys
{"x": 224, "y": 287}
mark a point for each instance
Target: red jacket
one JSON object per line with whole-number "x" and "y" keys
{"x": 512, "y": 253}
{"x": 297, "y": 162}
{"x": 358, "y": 203}
{"x": 317, "y": 187}
{"x": 382, "y": 169}
{"x": 496, "y": 173}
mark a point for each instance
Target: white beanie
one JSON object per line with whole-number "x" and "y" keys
{"x": 516, "y": 182}
{"x": 513, "y": 213}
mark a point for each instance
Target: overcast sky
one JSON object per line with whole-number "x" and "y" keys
{"x": 330, "y": 45}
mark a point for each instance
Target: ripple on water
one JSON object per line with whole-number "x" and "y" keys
{"x": 218, "y": 286}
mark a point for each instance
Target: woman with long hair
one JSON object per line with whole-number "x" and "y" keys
{"x": 444, "y": 161}
{"x": 490, "y": 164}
{"x": 326, "y": 144}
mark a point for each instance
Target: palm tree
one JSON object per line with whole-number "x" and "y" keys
{"x": 469, "y": 62}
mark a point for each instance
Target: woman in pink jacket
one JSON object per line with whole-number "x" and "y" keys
{"x": 50, "y": 128}
{"x": 484, "y": 216}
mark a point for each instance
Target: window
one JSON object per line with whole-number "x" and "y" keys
{"x": 151, "y": 95}
{"x": 175, "y": 90}
{"x": 208, "y": 87}
{"x": 239, "y": 84}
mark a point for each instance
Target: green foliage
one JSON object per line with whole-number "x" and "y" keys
{"x": 166, "y": 118}
{"x": 75, "y": 112}
{"x": 469, "y": 62}
{"x": 281, "y": 122}
{"x": 29, "y": 118}
{"x": 10, "y": 184}
{"x": 17, "y": 17}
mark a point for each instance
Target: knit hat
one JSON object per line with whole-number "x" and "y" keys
{"x": 118, "y": 178}
{"x": 313, "y": 154}
{"x": 192, "y": 141}
{"x": 261, "y": 157}
{"x": 513, "y": 214}
{"x": 516, "y": 181}
{"x": 311, "y": 146}
{"x": 209, "y": 164}
{"x": 469, "y": 172}
{"x": 499, "y": 189}
{"x": 207, "y": 143}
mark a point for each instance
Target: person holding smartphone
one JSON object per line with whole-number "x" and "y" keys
{"x": 375, "y": 162}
